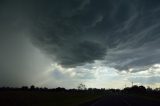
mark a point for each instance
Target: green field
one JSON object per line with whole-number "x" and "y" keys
{"x": 40, "y": 98}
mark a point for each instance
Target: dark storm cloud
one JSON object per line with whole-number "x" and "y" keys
{"x": 66, "y": 33}
{"x": 124, "y": 33}
{"x": 75, "y": 32}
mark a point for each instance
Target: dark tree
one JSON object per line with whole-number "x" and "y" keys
{"x": 32, "y": 87}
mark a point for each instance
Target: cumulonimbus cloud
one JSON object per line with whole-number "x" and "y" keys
{"x": 77, "y": 32}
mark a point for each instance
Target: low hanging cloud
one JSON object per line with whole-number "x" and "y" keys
{"x": 124, "y": 34}
{"x": 65, "y": 42}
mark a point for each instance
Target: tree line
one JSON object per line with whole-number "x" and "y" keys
{"x": 82, "y": 88}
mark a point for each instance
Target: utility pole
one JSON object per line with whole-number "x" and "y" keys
{"x": 132, "y": 84}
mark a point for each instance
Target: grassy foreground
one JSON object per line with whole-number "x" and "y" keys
{"x": 40, "y": 98}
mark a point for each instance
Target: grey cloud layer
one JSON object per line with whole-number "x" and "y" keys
{"x": 124, "y": 33}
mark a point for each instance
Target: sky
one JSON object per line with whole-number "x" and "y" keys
{"x": 62, "y": 43}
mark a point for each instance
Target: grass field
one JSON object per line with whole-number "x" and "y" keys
{"x": 40, "y": 98}
{"x": 155, "y": 97}
{"x": 66, "y": 97}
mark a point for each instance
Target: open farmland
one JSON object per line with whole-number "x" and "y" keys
{"x": 43, "y": 98}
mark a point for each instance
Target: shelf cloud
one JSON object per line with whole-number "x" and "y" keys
{"x": 122, "y": 35}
